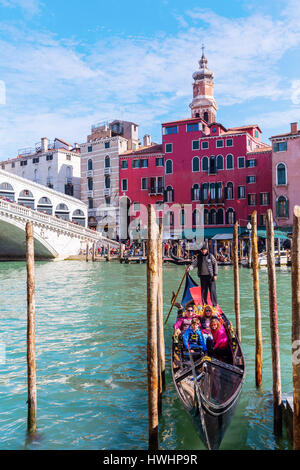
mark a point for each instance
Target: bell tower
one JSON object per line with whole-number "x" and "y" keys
{"x": 204, "y": 104}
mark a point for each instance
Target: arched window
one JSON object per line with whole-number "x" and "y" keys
{"x": 282, "y": 207}
{"x": 213, "y": 217}
{"x": 169, "y": 194}
{"x": 281, "y": 173}
{"x": 204, "y": 164}
{"x": 220, "y": 217}
{"x": 230, "y": 217}
{"x": 212, "y": 165}
{"x": 69, "y": 172}
{"x": 212, "y": 191}
{"x": 229, "y": 191}
{"x": 206, "y": 214}
{"x": 78, "y": 217}
{"x": 7, "y": 191}
{"x": 220, "y": 162}
{"x": 205, "y": 116}
{"x": 196, "y": 217}
{"x": 229, "y": 162}
{"x": 62, "y": 211}
{"x": 169, "y": 166}
{"x": 107, "y": 182}
{"x": 220, "y": 192}
{"x": 107, "y": 161}
{"x": 45, "y": 205}
{"x": 90, "y": 164}
{"x": 195, "y": 193}
{"x": 196, "y": 164}
{"x": 205, "y": 188}
{"x": 90, "y": 184}
{"x": 169, "y": 217}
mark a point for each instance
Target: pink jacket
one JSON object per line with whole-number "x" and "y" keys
{"x": 183, "y": 323}
{"x": 220, "y": 338}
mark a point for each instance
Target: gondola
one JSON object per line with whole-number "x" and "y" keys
{"x": 208, "y": 388}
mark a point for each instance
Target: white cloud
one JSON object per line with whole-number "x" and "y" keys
{"x": 30, "y": 6}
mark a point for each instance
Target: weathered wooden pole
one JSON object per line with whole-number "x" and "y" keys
{"x": 279, "y": 254}
{"x": 94, "y": 252}
{"x": 296, "y": 326}
{"x": 179, "y": 249}
{"x": 152, "y": 353}
{"x": 274, "y": 325}
{"x": 160, "y": 322}
{"x": 236, "y": 280}
{"x": 108, "y": 252}
{"x": 144, "y": 249}
{"x": 31, "y": 369}
{"x": 257, "y": 310}
{"x": 87, "y": 252}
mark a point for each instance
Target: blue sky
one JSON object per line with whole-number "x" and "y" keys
{"x": 67, "y": 65}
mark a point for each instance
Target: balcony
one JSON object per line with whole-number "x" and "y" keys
{"x": 107, "y": 192}
{"x": 69, "y": 180}
{"x": 107, "y": 170}
{"x": 153, "y": 191}
{"x": 89, "y": 173}
{"x": 90, "y": 193}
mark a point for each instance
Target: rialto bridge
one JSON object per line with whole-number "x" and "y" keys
{"x": 59, "y": 221}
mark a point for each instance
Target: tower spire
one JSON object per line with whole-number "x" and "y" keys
{"x": 203, "y": 104}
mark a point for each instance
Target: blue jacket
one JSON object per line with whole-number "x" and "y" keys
{"x": 193, "y": 339}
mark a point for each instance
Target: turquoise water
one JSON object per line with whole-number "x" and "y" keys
{"x": 91, "y": 359}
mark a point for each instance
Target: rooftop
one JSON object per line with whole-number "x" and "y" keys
{"x": 145, "y": 150}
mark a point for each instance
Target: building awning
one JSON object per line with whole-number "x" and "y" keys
{"x": 223, "y": 236}
{"x": 277, "y": 234}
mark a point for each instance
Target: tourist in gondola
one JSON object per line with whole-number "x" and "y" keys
{"x": 207, "y": 272}
{"x": 184, "y": 322}
{"x": 193, "y": 338}
{"x": 220, "y": 338}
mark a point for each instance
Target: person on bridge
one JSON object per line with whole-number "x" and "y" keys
{"x": 207, "y": 272}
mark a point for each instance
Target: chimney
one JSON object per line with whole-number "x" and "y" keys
{"x": 44, "y": 144}
{"x": 294, "y": 127}
{"x": 147, "y": 140}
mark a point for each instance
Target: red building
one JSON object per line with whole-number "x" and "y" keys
{"x": 202, "y": 162}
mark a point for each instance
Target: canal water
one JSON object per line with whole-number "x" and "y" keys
{"x": 91, "y": 359}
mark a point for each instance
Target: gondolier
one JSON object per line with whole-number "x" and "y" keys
{"x": 207, "y": 272}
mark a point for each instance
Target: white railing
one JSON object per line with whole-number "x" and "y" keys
{"x": 13, "y": 208}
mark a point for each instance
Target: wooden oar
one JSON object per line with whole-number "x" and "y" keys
{"x": 174, "y": 298}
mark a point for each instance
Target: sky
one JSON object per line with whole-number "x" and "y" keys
{"x": 67, "y": 65}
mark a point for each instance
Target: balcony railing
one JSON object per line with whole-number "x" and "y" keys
{"x": 153, "y": 190}
{"x": 90, "y": 193}
{"x": 107, "y": 192}
{"x": 107, "y": 170}
{"x": 89, "y": 173}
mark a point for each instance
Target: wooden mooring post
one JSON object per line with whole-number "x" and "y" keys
{"x": 257, "y": 310}
{"x": 236, "y": 280}
{"x": 152, "y": 333}
{"x": 31, "y": 368}
{"x": 160, "y": 320}
{"x": 94, "y": 252}
{"x": 87, "y": 252}
{"x": 296, "y": 326}
{"x": 277, "y": 399}
{"x": 108, "y": 252}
